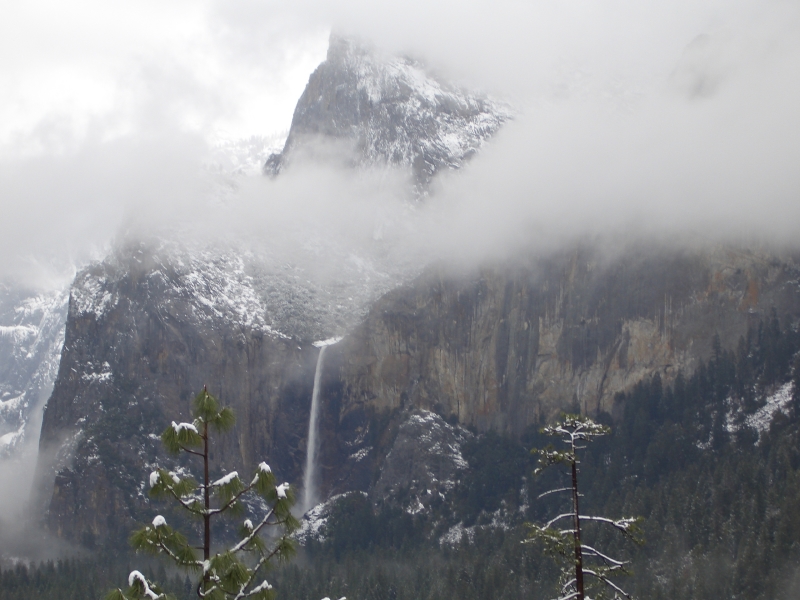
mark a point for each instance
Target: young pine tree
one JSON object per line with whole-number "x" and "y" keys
{"x": 234, "y": 573}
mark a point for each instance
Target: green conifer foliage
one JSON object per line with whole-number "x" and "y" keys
{"x": 235, "y": 572}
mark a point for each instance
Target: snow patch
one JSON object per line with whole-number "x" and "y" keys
{"x": 178, "y": 427}
{"x": 779, "y": 401}
{"x": 102, "y": 376}
{"x": 361, "y": 454}
{"x": 225, "y": 480}
{"x": 456, "y": 533}
{"x": 281, "y": 490}
{"x": 137, "y": 576}
{"x": 431, "y": 422}
{"x": 90, "y": 296}
{"x": 459, "y": 532}
{"x": 313, "y": 522}
{"x": 10, "y": 440}
{"x": 760, "y": 420}
{"x": 31, "y": 340}
{"x": 18, "y": 333}
{"x": 12, "y": 404}
{"x": 415, "y": 509}
{"x": 328, "y": 342}
{"x": 261, "y": 587}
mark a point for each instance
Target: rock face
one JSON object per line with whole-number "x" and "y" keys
{"x": 510, "y": 345}
{"x": 424, "y": 463}
{"x": 144, "y": 335}
{"x": 387, "y": 111}
{"x": 500, "y": 348}
{"x": 416, "y": 464}
{"x": 31, "y": 337}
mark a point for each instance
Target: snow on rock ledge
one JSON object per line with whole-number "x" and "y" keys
{"x": 212, "y": 285}
{"x": 425, "y": 458}
{"x": 761, "y": 419}
{"x": 779, "y": 401}
{"x": 312, "y": 525}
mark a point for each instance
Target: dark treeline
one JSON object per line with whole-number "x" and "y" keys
{"x": 84, "y": 578}
{"x": 719, "y": 499}
{"x": 720, "y": 502}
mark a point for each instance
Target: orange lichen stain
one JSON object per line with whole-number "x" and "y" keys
{"x": 717, "y": 283}
{"x": 750, "y": 299}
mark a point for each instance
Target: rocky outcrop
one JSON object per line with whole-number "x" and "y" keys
{"x": 508, "y": 346}
{"x": 148, "y": 327}
{"x": 31, "y": 337}
{"x": 144, "y": 334}
{"x": 420, "y": 463}
{"x": 366, "y": 109}
{"x": 424, "y": 462}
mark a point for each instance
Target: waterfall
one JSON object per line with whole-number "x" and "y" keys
{"x": 310, "y": 476}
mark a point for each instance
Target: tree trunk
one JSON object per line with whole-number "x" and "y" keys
{"x": 207, "y": 502}
{"x": 577, "y": 528}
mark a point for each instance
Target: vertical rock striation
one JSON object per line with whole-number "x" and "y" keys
{"x": 509, "y": 345}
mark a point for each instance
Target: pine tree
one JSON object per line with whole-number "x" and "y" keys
{"x": 226, "y": 574}
{"x": 583, "y": 561}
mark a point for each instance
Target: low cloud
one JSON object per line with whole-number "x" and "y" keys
{"x": 632, "y": 120}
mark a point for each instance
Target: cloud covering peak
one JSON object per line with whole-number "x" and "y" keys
{"x": 645, "y": 119}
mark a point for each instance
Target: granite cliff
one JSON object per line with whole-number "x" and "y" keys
{"x": 145, "y": 331}
{"x": 509, "y": 345}
{"x": 31, "y": 337}
{"x": 501, "y": 348}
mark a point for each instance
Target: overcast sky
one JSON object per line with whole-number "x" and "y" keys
{"x": 68, "y": 70}
{"x": 630, "y": 114}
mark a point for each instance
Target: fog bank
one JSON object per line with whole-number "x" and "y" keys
{"x": 631, "y": 120}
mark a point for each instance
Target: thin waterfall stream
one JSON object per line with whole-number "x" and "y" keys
{"x": 310, "y": 477}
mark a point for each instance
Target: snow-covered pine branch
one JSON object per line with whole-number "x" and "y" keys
{"x": 628, "y": 526}
{"x": 224, "y": 574}
{"x": 139, "y": 588}
{"x": 608, "y": 582}
{"x": 566, "y": 544}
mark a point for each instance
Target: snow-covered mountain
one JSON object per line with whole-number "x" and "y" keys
{"x": 501, "y": 347}
{"x": 387, "y": 110}
{"x": 31, "y": 338}
{"x": 154, "y": 322}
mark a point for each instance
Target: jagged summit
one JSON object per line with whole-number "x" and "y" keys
{"x": 388, "y": 110}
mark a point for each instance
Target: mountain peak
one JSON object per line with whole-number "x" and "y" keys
{"x": 379, "y": 110}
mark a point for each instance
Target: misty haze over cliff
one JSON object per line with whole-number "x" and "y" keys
{"x": 652, "y": 120}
